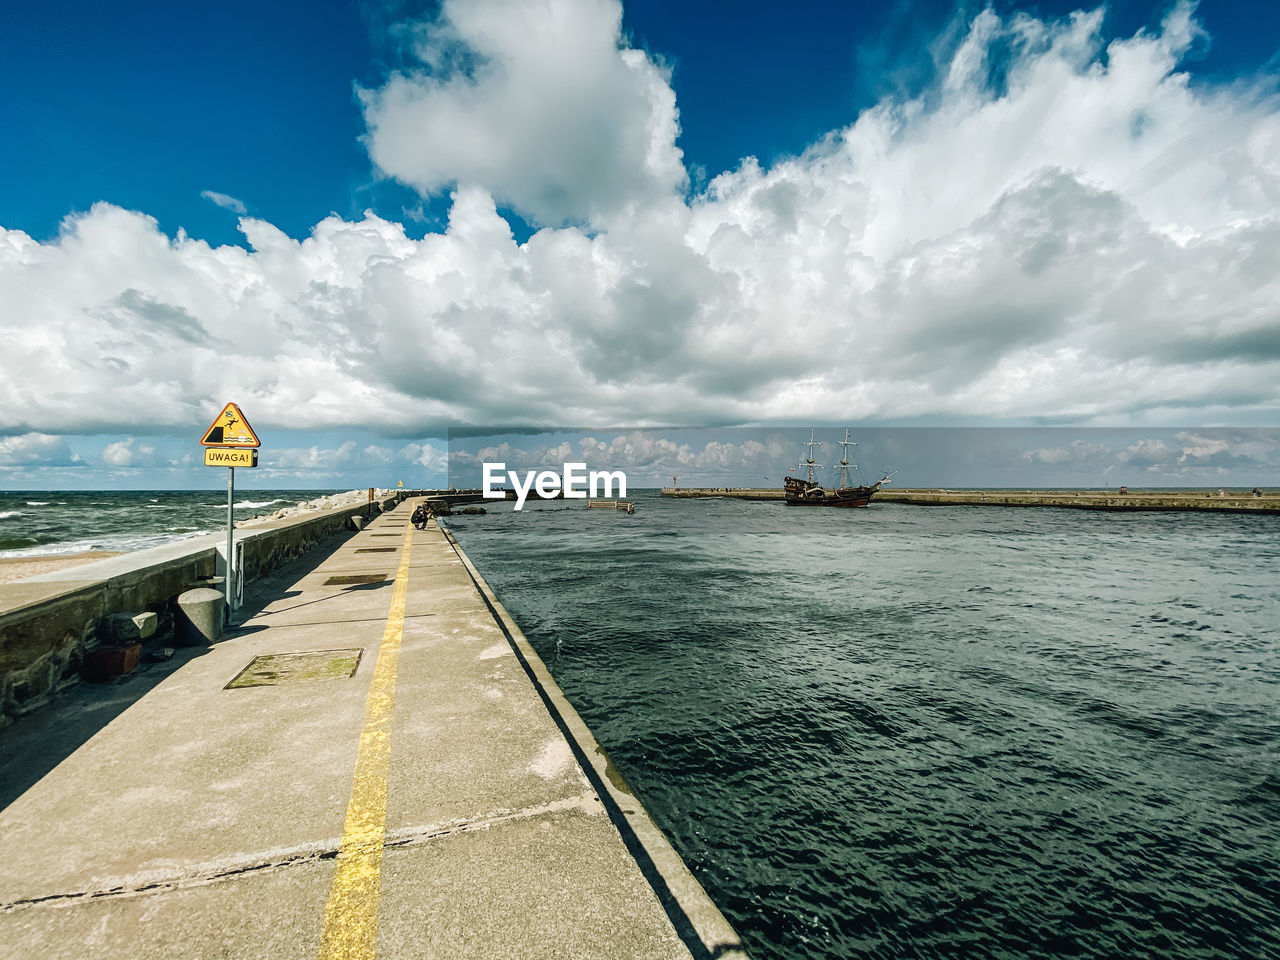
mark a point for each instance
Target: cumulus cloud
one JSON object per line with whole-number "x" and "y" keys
{"x": 310, "y": 458}
{"x": 543, "y": 104}
{"x": 129, "y": 453}
{"x": 435, "y": 459}
{"x": 1078, "y": 451}
{"x": 36, "y": 450}
{"x": 647, "y": 457}
{"x": 1170, "y": 456}
{"x": 1149, "y": 452}
{"x": 1064, "y": 226}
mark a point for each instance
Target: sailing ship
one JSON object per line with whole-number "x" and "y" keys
{"x": 807, "y": 492}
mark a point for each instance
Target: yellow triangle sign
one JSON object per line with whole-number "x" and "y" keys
{"x": 230, "y": 429}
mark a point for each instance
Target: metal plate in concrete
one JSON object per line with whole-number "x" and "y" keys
{"x": 275, "y": 669}
{"x": 376, "y": 550}
{"x": 355, "y": 578}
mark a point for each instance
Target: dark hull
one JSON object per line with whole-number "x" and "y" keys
{"x": 817, "y": 497}
{"x": 832, "y": 501}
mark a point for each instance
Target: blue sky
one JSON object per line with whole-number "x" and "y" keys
{"x": 149, "y": 105}
{"x": 368, "y": 223}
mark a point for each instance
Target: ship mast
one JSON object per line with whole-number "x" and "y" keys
{"x": 846, "y": 443}
{"x": 811, "y": 443}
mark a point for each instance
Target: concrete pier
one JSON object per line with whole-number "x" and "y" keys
{"x": 1226, "y": 501}
{"x": 374, "y": 763}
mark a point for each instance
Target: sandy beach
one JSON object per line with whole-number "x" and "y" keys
{"x": 19, "y": 568}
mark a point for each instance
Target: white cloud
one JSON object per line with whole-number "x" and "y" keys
{"x": 1177, "y": 456}
{"x": 1089, "y": 236}
{"x": 36, "y": 449}
{"x": 1146, "y": 452}
{"x": 309, "y": 458}
{"x": 541, "y": 103}
{"x": 647, "y": 457}
{"x": 224, "y": 201}
{"x": 1201, "y": 448}
{"x": 129, "y": 453}
{"x": 435, "y": 459}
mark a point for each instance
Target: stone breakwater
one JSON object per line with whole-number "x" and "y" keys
{"x": 349, "y": 499}
{"x": 1222, "y": 501}
{"x": 1196, "y": 500}
{"x": 736, "y": 493}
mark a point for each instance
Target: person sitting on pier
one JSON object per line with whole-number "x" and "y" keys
{"x": 420, "y": 517}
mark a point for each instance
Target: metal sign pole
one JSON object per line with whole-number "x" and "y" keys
{"x": 231, "y": 501}
{"x": 229, "y": 442}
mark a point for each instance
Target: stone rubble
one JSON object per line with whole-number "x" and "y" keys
{"x": 348, "y": 499}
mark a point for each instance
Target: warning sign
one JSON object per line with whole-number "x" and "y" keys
{"x": 230, "y": 457}
{"x": 231, "y": 429}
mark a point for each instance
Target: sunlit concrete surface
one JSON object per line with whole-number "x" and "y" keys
{"x": 465, "y": 798}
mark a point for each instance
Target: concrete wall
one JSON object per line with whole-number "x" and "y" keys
{"x": 47, "y": 623}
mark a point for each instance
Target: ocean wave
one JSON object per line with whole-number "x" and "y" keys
{"x": 5, "y": 514}
{"x": 8, "y": 544}
{"x": 37, "y": 503}
{"x": 118, "y": 543}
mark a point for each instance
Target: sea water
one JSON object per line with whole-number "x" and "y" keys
{"x": 914, "y": 731}
{"x": 39, "y": 523}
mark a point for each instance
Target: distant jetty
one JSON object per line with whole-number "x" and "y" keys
{"x": 1221, "y": 501}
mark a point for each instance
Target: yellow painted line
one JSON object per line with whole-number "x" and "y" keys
{"x": 351, "y": 915}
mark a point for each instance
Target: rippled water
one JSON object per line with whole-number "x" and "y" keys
{"x": 41, "y": 522}
{"x": 930, "y": 732}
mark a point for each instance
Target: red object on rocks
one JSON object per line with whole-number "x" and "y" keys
{"x": 111, "y": 660}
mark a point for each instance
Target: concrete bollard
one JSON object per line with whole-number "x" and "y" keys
{"x": 356, "y": 521}
{"x": 200, "y": 616}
